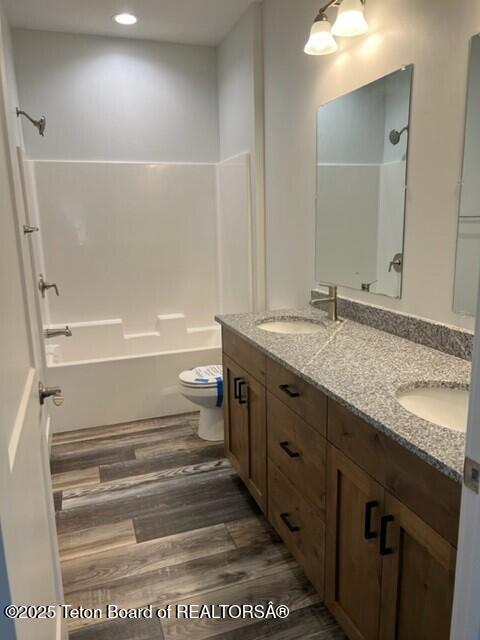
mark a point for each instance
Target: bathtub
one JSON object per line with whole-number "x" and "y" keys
{"x": 108, "y": 376}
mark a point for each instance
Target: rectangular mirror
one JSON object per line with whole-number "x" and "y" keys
{"x": 362, "y": 150}
{"x": 468, "y": 240}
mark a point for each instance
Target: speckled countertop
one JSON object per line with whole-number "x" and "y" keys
{"x": 362, "y": 368}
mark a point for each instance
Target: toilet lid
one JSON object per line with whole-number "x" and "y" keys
{"x": 202, "y": 376}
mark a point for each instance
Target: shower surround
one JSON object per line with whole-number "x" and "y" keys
{"x": 144, "y": 256}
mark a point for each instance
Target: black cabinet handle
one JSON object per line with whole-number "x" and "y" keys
{"x": 242, "y": 399}
{"x": 291, "y": 527}
{"x": 235, "y": 387}
{"x": 384, "y": 550}
{"x": 288, "y": 451}
{"x": 369, "y": 507}
{"x": 289, "y": 390}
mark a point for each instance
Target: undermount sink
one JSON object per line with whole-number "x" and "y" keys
{"x": 292, "y": 326}
{"x": 444, "y": 406}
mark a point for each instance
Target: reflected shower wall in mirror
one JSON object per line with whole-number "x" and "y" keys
{"x": 362, "y": 145}
{"x": 468, "y": 241}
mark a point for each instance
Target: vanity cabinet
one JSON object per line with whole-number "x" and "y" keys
{"x": 389, "y": 576}
{"x": 245, "y": 420}
{"x": 372, "y": 524}
{"x": 354, "y": 565}
{"x": 418, "y": 575}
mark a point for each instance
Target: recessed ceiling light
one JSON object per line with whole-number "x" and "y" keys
{"x": 125, "y": 18}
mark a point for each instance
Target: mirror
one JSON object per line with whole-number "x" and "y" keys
{"x": 468, "y": 240}
{"x": 362, "y": 150}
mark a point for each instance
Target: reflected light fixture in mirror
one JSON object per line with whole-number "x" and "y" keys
{"x": 350, "y": 22}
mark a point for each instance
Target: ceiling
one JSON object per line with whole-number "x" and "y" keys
{"x": 204, "y": 22}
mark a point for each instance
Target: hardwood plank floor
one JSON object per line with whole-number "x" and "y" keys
{"x": 148, "y": 514}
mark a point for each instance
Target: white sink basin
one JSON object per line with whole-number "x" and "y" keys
{"x": 293, "y": 327}
{"x": 440, "y": 405}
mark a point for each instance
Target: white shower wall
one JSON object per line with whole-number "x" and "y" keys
{"x": 129, "y": 241}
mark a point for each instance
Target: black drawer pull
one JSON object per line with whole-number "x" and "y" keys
{"x": 235, "y": 387}
{"x": 369, "y": 507}
{"x": 288, "y": 451}
{"x": 384, "y": 550}
{"x": 291, "y": 527}
{"x": 289, "y": 390}
{"x": 242, "y": 398}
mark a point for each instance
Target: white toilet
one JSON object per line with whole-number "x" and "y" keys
{"x": 204, "y": 387}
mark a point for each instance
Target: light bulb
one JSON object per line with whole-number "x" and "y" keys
{"x": 350, "y": 19}
{"x": 321, "y": 41}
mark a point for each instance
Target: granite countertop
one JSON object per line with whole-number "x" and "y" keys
{"x": 362, "y": 368}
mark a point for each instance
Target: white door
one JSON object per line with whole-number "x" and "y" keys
{"x": 466, "y": 606}
{"x": 29, "y": 572}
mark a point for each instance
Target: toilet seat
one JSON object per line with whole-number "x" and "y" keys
{"x": 202, "y": 377}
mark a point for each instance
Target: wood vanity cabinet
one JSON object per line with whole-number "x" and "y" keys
{"x": 354, "y": 565}
{"x": 372, "y": 524}
{"x": 245, "y": 418}
{"x": 417, "y": 578}
{"x": 389, "y": 573}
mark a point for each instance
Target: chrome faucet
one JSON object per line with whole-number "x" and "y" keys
{"x": 329, "y": 300}
{"x": 53, "y": 333}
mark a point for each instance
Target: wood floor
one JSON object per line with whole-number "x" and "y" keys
{"x": 147, "y": 513}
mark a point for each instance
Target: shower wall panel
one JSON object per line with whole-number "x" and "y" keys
{"x": 129, "y": 241}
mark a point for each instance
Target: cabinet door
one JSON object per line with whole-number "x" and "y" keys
{"x": 417, "y": 578}
{"x": 235, "y": 416}
{"x": 353, "y": 569}
{"x": 246, "y": 428}
{"x": 253, "y": 393}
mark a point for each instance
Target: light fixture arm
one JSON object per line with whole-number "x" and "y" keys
{"x": 333, "y": 3}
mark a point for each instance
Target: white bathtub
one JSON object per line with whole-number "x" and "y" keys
{"x": 108, "y": 377}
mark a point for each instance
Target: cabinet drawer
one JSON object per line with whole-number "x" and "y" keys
{"x": 297, "y": 450}
{"x": 299, "y": 524}
{"x": 301, "y": 397}
{"x": 244, "y": 354}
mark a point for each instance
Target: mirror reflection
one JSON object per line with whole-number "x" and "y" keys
{"x": 468, "y": 241}
{"x": 362, "y": 144}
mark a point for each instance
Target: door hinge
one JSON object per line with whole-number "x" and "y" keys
{"x": 471, "y": 475}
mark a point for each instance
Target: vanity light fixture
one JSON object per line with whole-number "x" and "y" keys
{"x": 350, "y": 22}
{"x": 126, "y": 19}
{"x": 321, "y": 41}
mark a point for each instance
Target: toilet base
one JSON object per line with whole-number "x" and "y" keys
{"x": 210, "y": 427}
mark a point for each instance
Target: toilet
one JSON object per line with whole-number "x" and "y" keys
{"x": 204, "y": 387}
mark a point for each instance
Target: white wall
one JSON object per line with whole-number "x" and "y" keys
{"x": 117, "y": 99}
{"x": 6, "y": 35}
{"x": 436, "y": 40}
{"x": 129, "y": 195}
{"x": 241, "y": 122}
